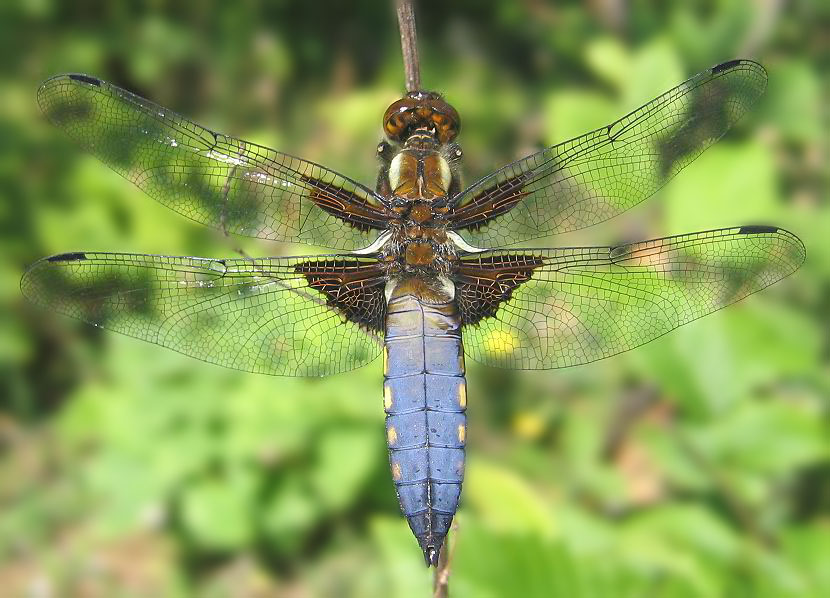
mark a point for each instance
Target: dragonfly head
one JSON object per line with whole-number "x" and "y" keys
{"x": 424, "y": 110}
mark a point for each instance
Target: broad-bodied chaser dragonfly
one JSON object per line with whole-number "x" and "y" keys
{"x": 417, "y": 271}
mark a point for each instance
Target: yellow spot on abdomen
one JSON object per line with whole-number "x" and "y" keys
{"x": 391, "y": 435}
{"x": 462, "y": 433}
{"x": 396, "y": 471}
{"x": 462, "y": 395}
{"x": 387, "y": 397}
{"x": 501, "y": 342}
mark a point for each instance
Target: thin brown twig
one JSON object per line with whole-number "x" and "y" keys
{"x": 441, "y": 578}
{"x": 409, "y": 44}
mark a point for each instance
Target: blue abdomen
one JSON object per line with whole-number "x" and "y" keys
{"x": 425, "y": 396}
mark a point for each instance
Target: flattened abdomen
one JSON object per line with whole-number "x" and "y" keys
{"x": 425, "y": 397}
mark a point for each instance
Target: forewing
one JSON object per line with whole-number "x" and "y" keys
{"x": 577, "y": 305}
{"x": 220, "y": 181}
{"x": 597, "y": 176}
{"x": 256, "y": 315}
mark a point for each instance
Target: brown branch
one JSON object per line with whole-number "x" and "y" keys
{"x": 409, "y": 44}
{"x": 441, "y": 578}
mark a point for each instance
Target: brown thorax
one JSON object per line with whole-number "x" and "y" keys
{"x": 417, "y": 178}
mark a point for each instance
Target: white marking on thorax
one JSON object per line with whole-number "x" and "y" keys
{"x": 448, "y": 287}
{"x": 395, "y": 171}
{"x": 376, "y": 245}
{"x": 390, "y": 288}
{"x": 462, "y": 244}
{"x": 446, "y": 174}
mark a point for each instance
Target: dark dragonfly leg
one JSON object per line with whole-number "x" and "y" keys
{"x": 425, "y": 396}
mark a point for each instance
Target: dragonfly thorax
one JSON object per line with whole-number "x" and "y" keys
{"x": 422, "y": 250}
{"x": 419, "y": 175}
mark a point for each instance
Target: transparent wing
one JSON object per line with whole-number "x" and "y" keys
{"x": 260, "y": 315}
{"x": 552, "y": 308}
{"x": 214, "y": 179}
{"x": 597, "y": 176}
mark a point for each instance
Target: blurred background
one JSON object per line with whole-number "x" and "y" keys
{"x": 694, "y": 466}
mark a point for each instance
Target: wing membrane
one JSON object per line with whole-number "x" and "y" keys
{"x": 214, "y": 179}
{"x": 257, "y": 315}
{"x": 577, "y": 305}
{"x": 597, "y": 176}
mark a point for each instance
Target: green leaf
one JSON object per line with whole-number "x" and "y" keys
{"x": 488, "y": 563}
{"x": 772, "y": 438}
{"x": 610, "y": 60}
{"x": 808, "y": 548}
{"x": 217, "y": 512}
{"x": 504, "y": 501}
{"x": 728, "y": 185}
{"x": 717, "y": 361}
{"x": 681, "y": 542}
{"x": 403, "y": 563}
{"x": 345, "y": 461}
{"x": 795, "y": 101}
{"x": 569, "y": 113}
{"x": 654, "y": 69}
{"x": 290, "y": 514}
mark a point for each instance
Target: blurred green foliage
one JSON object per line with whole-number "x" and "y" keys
{"x": 698, "y": 465}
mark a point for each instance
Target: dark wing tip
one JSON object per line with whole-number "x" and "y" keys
{"x": 85, "y": 79}
{"x": 725, "y": 66}
{"x": 67, "y": 257}
{"x": 31, "y": 283}
{"x": 747, "y": 67}
{"x": 64, "y": 77}
{"x": 56, "y": 91}
{"x": 798, "y": 252}
{"x": 753, "y": 69}
{"x": 754, "y": 229}
{"x": 738, "y": 62}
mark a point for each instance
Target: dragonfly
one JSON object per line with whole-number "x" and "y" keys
{"x": 419, "y": 270}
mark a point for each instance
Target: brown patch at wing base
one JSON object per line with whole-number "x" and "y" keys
{"x": 485, "y": 282}
{"x": 346, "y": 205}
{"x": 355, "y": 288}
{"x": 490, "y": 203}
